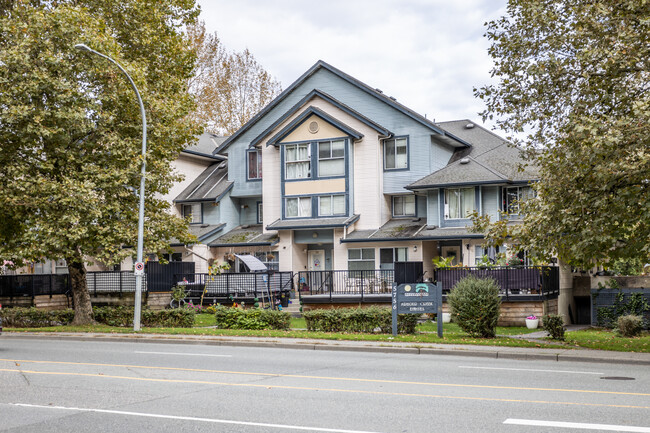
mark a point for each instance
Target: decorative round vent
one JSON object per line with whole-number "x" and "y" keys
{"x": 313, "y": 127}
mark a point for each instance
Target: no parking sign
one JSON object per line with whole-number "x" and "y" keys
{"x": 138, "y": 268}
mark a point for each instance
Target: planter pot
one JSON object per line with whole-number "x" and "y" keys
{"x": 446, "y": 317}
{"x": 532, "y": 324}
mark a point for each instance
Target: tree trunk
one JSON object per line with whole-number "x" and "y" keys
{"x": 83, "y": 310}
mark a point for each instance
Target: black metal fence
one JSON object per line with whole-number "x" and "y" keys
{"x": 532, "y": 282}
{"x": 237, "y": 285}
{"x": 17, "y": 286}
{"x": 608, "y": 304}
{"x": 371, "y": 282}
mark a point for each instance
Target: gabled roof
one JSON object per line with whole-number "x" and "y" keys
{"x": 490, "y": 160}
{"x": 211, "y": 185}
{"x": 205, "y": 146}
{"x": 274, "y": 141}
{"x": 318, "y": 93}
{"x": 443, "y": 135}
{"x": 201, "y": 231}
{"x": 246, "y": 236}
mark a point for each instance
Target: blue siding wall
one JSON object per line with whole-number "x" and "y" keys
{"x": 424, "y": 156}
{"x": 490, "y": 205}
{"x": 433, "y": 210}
{"x": 421, "y": 206}
{"x": 248, "y": 215}
{"x": 229, "y": 213}
{"x": 211, "y": 213}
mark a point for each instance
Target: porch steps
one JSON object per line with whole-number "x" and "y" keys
{"x": 293, "y": 308}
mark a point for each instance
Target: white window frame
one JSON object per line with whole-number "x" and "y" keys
{"x": 300, "y": 200}
{"x": 398, "y": 142}
{"x": 307, "y": 161}
{"x": 331, "y": 199}
{"x": 448, "y": 196}
{"x": 362, "y": 259}
{"x": 403, "y": 198}
{"x": 331, "y": 158}
{"x": 513, "y": 208}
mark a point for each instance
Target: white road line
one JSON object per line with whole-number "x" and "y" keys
{"x": 576, "y": 425}
{"x": 530, "y": 369}
{"x": 191, "y": 418}
{"x": 184, "y": 354}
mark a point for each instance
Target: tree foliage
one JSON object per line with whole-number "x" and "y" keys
{"x": 230, "y": 87}
{"x": 71, "y": 130}
{"x": 575, "y": 75}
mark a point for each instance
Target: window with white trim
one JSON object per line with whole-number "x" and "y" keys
{"x": 297, "y": 161}
{"x": 513, "y": 196}
{"x": 459, "y": 202}
{"x": 193, "y": 212}
{"x": 361, "y": 259}
{"x": 254, "y": 161}
{"x": 404, "y": 205}
{"x": 331, "y": 158}
{"x": 297, "y": 207}
{"x": 396, "y": 153}
{"x": 329, "y": 205}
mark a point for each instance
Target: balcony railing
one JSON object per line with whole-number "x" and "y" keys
{"x": 332, "y": 283}
{"x": 238, "y": 285}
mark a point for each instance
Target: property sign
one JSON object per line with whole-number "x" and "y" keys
{"x": 417, "y": 298}
{"x": 138, "y": 269}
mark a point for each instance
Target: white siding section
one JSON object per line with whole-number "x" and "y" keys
{"x": 190, "y": 167}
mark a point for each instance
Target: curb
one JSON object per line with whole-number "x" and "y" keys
{"x": 493, "y": 352}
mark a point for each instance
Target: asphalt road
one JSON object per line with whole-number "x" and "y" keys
{"x": 63, "y": 386}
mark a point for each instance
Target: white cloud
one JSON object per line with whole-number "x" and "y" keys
{"x": 428, "y": 54}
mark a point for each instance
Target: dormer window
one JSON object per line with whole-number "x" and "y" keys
{"x": 254, "y": 162}
{"x": 396, "y": 154}
{"x": 193, "y": 212}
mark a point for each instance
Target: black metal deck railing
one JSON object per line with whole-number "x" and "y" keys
{"x": 237, "y": 285}
{"x": 333, "y": 283}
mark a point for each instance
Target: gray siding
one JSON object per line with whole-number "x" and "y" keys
{"x": 433, "y": 209}
{"x": 249, "y": 214}
{"x": 490, "y": 202}
{"x": 211, "y": 214}
{"x": 229, "y": 213}
{"x": 421, "y": 206}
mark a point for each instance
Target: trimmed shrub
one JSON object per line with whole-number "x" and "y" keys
{"x": 554, "y": 325}
{"x": 123, "y": 316}
{"x": 114, "y": 316}
{"x": 365, "y": 320}
{"x": 254, "y": 318}
{"x": 34, "y": 318}
{"x": 475, "y": 306}
{"x": 629, "y": 325}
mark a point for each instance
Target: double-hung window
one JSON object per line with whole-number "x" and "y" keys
{"x": 404, "y": 205}
{"x": 254, "y": 160}
{"x": 329, "y": 205}
{"x": 361, "y": 259}
{"x": 193, "y": 212}
{"x": 297, "y": 161}
{"x": 515, "y": 195}
{"x": 396, "y": 154}
{"x": 331, "y": 158}
{"x": 459, "y": 202}
{"x": 298, "y": 207}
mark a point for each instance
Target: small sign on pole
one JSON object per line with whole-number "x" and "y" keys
{"x": 138, "y": 269}
{"x": 417, "y": 298}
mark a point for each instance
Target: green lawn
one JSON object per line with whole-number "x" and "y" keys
{"x": 427, "y": 333}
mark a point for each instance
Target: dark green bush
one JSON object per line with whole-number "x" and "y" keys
{"x": 123, "y": 316}
{"x": 475, "y": 306}
{"x": 35, "y": 318}
{"x": 554, "y": 325}
{"x": 114, "y": 316}
{"x": 254, "y": 318}
{"x": 629, "y": 325}
{"x": 365, "y": 320}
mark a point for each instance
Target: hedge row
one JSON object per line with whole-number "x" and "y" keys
{"x": 367, "y": 320}
{"x": 254, "y": 318}
{"x": 112, "y": 316}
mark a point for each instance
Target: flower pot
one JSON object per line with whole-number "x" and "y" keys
{"x": 532, "y": 323}
{"x": 446, "y": 317}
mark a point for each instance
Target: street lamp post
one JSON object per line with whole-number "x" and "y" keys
{"x": 138, "y": 274}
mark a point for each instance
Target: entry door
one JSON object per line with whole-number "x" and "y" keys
{"x": 316, "y": 260}
{"x": 452, "y": 252}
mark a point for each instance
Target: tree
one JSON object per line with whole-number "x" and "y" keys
{"x": 70, "y": 129}
{"x": 576, "y": 76}
{"x": 230, "y": 88}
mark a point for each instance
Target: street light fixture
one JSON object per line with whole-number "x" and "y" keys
{"x": 139, "y": 262}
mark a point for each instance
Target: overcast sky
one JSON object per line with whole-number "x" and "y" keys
{"x": 429, "y": 54}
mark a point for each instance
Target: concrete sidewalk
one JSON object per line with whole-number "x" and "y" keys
{"x": 497, "y": 352}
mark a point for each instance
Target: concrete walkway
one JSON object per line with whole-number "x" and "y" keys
{"x": 561, "y": 353}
